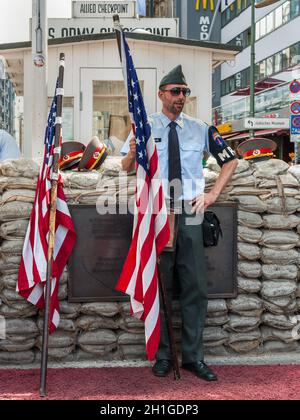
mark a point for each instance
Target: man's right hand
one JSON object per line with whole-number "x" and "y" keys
{"x": 132, "y": 145}
{"x": 128, "y": 162}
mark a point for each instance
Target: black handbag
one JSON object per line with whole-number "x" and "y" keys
{"x": 211, "y": 229}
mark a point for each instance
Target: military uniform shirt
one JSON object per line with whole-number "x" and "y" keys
{"x": 195, "y": 138}
{"x": 8, "y": 147}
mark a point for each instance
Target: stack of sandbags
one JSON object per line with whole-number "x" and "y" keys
{"x": 108, "y": 183}
{"x": 131, "y": 335}
{"x": 17, "y": 188}
{"x": 97, "y": 336}
{"x": 62, "y": 342}
{"x": 215, "y": 337}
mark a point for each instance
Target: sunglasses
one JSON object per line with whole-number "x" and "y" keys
{"x": 178, "y": 91}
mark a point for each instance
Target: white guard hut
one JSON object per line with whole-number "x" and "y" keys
{"x": 93, "y": 83}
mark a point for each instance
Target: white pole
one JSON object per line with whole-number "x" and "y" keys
{"x": 214, "y": 18}
{"x": 34, "y": 141}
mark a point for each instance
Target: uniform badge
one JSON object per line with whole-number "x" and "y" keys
{"x": 157, "y": 140}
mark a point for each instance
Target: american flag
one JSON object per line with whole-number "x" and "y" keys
{"x": 151, "y": 230}
{"x": 33, "y": 268}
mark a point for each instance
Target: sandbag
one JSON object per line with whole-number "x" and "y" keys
{"x": 12, "y": 346}
{"x": 295, "y": 172}
{"x": 251, "y": 203}
{"x": 278, "y": 205}
{"x": 8, "y": 281}
{"x": 102, "y": 309}
{"x": 273, "y": 256}
{"x": 26, "y": 168}
{"x": 17, "y": 358}
{"x": 273, "y": 238}
{"x": 249, "y": 269}
{"x": 215, "y": 321}
{"x": 244, "y": 181}
{"x": 279, "y": 271}
{"x": 242, "y": 324}
{"x": 99, "y": 350}
{"x": 91, "y": 323}
{"x": 270, "y": 334}
{"x": 250, "y": 220}
{"x": 245, "y": 342}
{"x": 14, "y": 229}
{"x": 13, "y": 247}
{"x": 215, "y": 336}
{"x": 9, "y": 263}
{"x": 269, "y": 169}
{"x": 98, "y": 337}
{"x": 10, "y": 296}
{"x": 280, "y": 347}
{"x": 18, "y": 310}
{"x": 69, "y": 310}
{"x": 63, "y": 354}
{"x": 132, "y": 352}
{"x": 280, "y": 322}
{"x": 249, "y": 235}
{"x": 131, "y": 338}
{"x": 130, "y": 324}
{"x": 272, "y": 221}
{"x": 59, "y": 339}
{"x": 275, "y": 289}
{"x": 217, "y": 307}
{"x": 8, "y": 183}
{"x": 15, "y": 210}
{"x": 84, "y": 181}
{"x": 281, "y": 306}
{"x": 248, "y": 251}
{"x": 25, "y": 195}
{"x": 247, "y": 305}
{"x": 248, "y": 286}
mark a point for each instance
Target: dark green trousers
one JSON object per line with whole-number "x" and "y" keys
{"x": 189, "y": 265}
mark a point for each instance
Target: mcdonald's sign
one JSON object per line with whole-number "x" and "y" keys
{"x": 205, "y": 5}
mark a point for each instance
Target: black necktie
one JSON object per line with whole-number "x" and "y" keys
{"x": 174, "y": 161}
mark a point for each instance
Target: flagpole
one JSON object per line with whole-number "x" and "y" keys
{"x": 167, "y": 312}
{"x": 52, "y": 222}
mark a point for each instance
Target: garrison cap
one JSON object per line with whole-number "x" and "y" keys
{"x": 257, "y": 149}
{"x": 93, "y": 156}
{"x": 175, "y": 77}
{"x": 71, "y": 154}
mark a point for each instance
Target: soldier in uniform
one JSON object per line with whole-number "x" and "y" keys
{"x": 181, "y": 142}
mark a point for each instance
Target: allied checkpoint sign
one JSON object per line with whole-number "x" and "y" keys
{"x": 95, "y": 9}
{"x": 103, "y": 242}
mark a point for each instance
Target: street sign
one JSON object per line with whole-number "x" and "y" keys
{"x": 261, "y": 123}
{"x": 295, "y": 108}
{"x": 295, "y": 124}
{"x": 295, "y": 87}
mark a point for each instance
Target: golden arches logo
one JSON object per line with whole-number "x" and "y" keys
{"x": 205, "y": 5}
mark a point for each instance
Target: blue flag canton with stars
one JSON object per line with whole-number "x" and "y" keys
{"x": 137, "y": 109}
{"x": 50, "y": 130}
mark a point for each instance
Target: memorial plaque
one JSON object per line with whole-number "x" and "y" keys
{"x": 103, "y": 242}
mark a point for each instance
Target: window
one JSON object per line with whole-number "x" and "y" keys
{"x": 278, "y": 62}
{"x": 270, "y": 22}
{"x": 286, "y": 12}
{"x": 263, "y": 27}
{"x": 257, "y": 31}
{"x": 285, "y": 58}
{"x": 262, "y": 69}
{"x": 269, "y": 66}
{"x": 278, "y": 17}
{"x": 295, "y": 8}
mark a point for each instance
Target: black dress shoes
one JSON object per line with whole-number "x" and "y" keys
{"x": 162, "y": 368}
{"x": 201, "y": 370}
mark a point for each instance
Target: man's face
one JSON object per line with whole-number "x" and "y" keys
{"x": 172, "y": 102}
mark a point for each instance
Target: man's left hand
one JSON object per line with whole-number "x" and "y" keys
{"x": 202, "y": 202}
